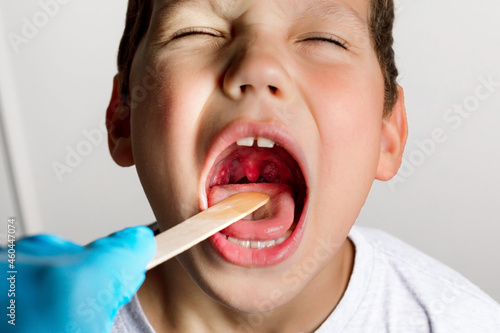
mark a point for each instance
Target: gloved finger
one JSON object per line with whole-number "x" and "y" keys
{"x": 123, "y": 256}
{"x": 136, "y": 245}
{"x": 47, "y": 245}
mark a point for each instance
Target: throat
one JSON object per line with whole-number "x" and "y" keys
{"x": 272, "y": 171}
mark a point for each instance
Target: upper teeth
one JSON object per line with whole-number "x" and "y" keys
{"x": 261, "y": 142}
{"x": 264, "y": 142}
{"x": 248, "y": 142}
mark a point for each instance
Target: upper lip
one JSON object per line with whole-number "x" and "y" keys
{"x": 242, "y": 129}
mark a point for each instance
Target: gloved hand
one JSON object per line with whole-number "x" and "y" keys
{"x": 64, "y": 287}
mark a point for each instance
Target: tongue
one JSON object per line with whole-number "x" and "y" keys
{"x": 268, "y": 222}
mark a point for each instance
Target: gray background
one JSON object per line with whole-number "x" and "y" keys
{"x": 445, "y": 200}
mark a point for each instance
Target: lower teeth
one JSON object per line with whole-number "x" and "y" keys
{"x": 259, "y": 244}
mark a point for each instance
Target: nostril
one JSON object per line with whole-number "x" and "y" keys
{"x": 272, "y": 89}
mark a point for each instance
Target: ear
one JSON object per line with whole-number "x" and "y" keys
{"x": 394, "y": 135}
{"x": 118, "y": 125}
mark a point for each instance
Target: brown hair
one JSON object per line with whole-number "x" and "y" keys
{"x": 380, "y": 25}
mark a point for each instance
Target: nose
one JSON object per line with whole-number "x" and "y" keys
{"x": 256, "y": 69}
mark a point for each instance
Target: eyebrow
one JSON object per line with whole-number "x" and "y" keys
{"x": 167, "y": 6}
{"x": 170, "y": 8}
{"x": 164, "y": 11}
{"x": 329, "y": 9}
{"x": 335, "y": 11}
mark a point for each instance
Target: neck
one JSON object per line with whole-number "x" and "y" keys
{"x": 172, "y": 301}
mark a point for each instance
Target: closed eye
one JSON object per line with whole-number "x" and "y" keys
{"x": 329, "y": 39}
{"x": 196, "y": 31}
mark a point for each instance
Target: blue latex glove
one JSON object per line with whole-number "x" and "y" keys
{"x": 64, "y": 287}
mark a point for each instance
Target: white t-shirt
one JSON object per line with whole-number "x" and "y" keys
{"x": 393, "y": 288}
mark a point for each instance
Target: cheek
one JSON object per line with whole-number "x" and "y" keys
{"x": 163, "y": 128}
{"x": 347, "y": 109}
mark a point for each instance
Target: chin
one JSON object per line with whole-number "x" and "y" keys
{"x": 259, "y": 296}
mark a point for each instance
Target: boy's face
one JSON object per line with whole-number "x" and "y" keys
{"x": 303, "y": 73}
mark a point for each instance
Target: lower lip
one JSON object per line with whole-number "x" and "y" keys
{"x": 242, "y": 256}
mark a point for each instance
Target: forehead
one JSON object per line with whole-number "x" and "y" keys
{"x": 353, "y": 11}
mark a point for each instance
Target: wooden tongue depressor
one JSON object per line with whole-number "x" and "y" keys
{"x": 204, "y": 224}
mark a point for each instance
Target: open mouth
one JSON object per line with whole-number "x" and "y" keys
{"x": 258, "y": 164}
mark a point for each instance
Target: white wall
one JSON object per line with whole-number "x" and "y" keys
{"x": 447, "y": 203}
{"x": 62, "y": 77}
{"x": 444, "y": 201}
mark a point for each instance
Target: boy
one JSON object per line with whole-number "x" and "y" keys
{"x": 294, "y": 98}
